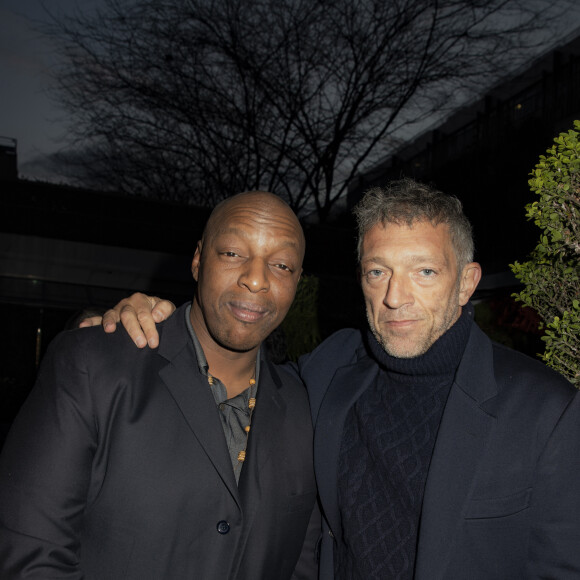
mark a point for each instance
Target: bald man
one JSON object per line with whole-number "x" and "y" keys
{"x": 193, "y": 460}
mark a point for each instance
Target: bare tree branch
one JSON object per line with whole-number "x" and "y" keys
{"x": 195, "y": 100}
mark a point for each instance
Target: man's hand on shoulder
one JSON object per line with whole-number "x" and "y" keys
{"x": 139, "y": 313}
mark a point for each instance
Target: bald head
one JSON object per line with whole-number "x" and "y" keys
{"x": 263, "y": 206}
{"x": 247, "y": 267}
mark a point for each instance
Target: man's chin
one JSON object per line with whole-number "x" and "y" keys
{"x": 400, "y": 352}
{"x": 241, "y": 343}
{"x": 239, "y": 346}
{"x": 398, "y": 348}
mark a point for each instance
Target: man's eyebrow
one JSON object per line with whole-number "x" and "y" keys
{"x": 373, "y": 259}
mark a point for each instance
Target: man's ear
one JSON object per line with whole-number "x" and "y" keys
{"x": 470, "y": 277}
{"x": 196, "y": 260}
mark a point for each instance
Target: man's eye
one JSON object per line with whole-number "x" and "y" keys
{"x": 229, "y": 254}
{"x": 427, "y": 272}
{"x": 374, "y": 274}
{"x": 283, "y": 267}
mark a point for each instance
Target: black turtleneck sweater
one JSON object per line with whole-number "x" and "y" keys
{"x": 387, "y": 444}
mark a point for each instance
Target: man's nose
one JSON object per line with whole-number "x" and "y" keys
{"x": 398, "y": 292}
{"x": 255, "y": 276}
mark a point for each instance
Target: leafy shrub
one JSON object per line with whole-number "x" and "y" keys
{"x": 551, "y": 277}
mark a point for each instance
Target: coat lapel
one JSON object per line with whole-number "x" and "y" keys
{"x": 263, "y": 447}
{"x": 194, "y": 398}
{"x": 345, "y": 388}
{"x": 263, "y": 443}
{"x": 462, "y": 438}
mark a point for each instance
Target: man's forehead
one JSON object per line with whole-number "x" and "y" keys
{"x": 402, "y": 230}
{"x": 419, "y": 240}
{"x": 230, "y": 229}
{"x": 251, "y": 205}
{"x": 264, "y": 216}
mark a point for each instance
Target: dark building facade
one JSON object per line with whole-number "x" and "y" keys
{"x": 64, "y": 249}
{"x": 484, "y": 153}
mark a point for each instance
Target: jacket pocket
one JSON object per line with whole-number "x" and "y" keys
{"x": 498, "y": 507}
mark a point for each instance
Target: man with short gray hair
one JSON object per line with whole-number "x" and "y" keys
{"x": 439, "y": 455}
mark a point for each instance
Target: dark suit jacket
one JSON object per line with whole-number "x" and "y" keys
{"x": 117, "y": 467}
{"x": 502, "y": 497}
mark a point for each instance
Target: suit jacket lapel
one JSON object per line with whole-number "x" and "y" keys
{"x": 345, "y": 388}
{"x": 463, "y": 435}
{"x": 193, "y": 397}
{"x": 263, "y": 443}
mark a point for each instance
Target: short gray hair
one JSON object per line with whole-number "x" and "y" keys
{"x": 405, "y": 202}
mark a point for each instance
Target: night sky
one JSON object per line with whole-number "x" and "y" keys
{"x": 26, "y": 112}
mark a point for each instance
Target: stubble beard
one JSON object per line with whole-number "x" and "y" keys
{"x": 415, "y": 347}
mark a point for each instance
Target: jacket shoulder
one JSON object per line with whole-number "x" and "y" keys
{"x": 317, "y": 369}
{"x": 94, "y": 344}
{"x": 343, "y": 347}
{"x": 511, "y": 365}
{"x": 527, "y": 387}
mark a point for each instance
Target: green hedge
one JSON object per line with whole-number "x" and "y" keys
{"x": 551, "y": 276}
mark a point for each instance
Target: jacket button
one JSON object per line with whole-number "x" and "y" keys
{"x": 223, "y": 527}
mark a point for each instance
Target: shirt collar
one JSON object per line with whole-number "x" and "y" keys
{"x": 200, "y": 355}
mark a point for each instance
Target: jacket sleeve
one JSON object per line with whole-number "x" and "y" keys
{"x": 554, "y": 548}
{"x": 45, "y": 469}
